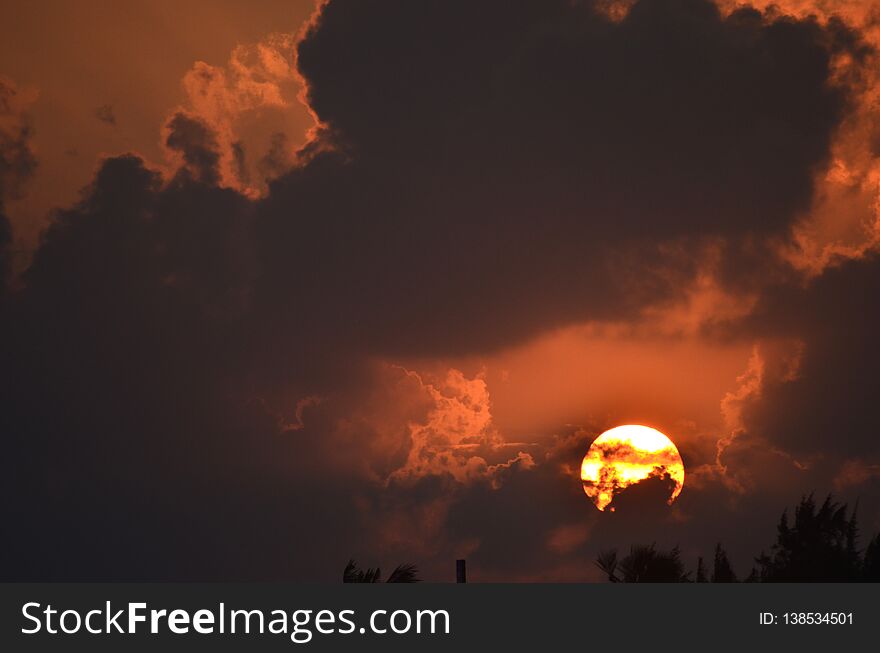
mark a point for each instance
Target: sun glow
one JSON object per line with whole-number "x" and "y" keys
{"x": 626, "y": 455}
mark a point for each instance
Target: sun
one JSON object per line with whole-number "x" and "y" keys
{"x": 625, "y": 455}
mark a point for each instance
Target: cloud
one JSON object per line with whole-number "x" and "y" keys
{"x": 5, "y": 254}
{"x": 17, "y": 161}
{"x": 255, "y": 87}
{"x": 657, "y": 136}
{"x": 478, "y": 175}
{"x": 197, "y": 144}
{"x": 841, "y": 222}
{"x": 539, "y": 161}
{"x": 855, "y": 473}
{"x": 105, "y": 114}
{"x": 826, "y": 404}
{"x": 802, "y": 416}
{"x": 568, "y": 537}
{"x": 457, "y": 434}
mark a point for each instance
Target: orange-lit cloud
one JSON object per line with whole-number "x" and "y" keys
{"x": 748, "y": 389}
{"x": 843, "y": 221}
{"x": 854, "y": 473}
{"x": 457, "y": 434}
{"x": 247, "y": 104}
{"x": 601, "y": 375}
{"x": 568, "y": 537}
{"x": 615, "y": 10}
{"x": 704, "y": 302}
{"x": 297, "y": 423}
{"x": 777, "y": 360}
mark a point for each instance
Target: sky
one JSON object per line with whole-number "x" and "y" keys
{"x": 283, "y": 285}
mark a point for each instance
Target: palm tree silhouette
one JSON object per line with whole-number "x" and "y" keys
{"x": 406, "y": 573}
{"x": 644, "y": 564}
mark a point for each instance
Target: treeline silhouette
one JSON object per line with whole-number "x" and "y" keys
{"x": 819, "y": 545}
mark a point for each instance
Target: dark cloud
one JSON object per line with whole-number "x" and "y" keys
{"x": 812, "y": 424}
{"x": 17, "y": 163}
{"x": 17, "y": 160}
{"x": 239, "y": 162}
{"x": 105, "y": 114}
{"x": 483, "y": 172}
{"x": 277, "y": 160}
{"x": 675, "y": 120}
{"x": 5, "y": 250}
{"x": 196, "y": 142}
{"x": 130, "y": 430}
{"x": 503, "y": 165}
{"x": 828, "y": 403}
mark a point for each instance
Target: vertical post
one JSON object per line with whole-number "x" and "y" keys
{"x": 460, "y": 571}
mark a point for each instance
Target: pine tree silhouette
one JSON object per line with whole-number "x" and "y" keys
{"x": 701, "y": 571}
{"x": 819, "y": 547}
{"x": 722, "y": 572}
{"x": 871, "y": 565}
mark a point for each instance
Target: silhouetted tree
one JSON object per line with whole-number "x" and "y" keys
{"x": 354, "y": 574}
{"x": 402, "y": 574}
{"x": 722, "y": 572}
{"x": 701, "y": 571}
{"x": 871, "y": 565}
{"x": 644, "y": 564}
{"x": 607, "y": 562}
{"x": 819, "y": 546}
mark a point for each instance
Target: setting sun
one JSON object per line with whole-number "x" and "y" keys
{"x": 626, "y": 455}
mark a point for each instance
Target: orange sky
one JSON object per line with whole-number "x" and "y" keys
{"x": 100, "y": 79}
{"x": 596, "y": 377}
{"x": 144, "y": 60}
{"x": 73, "y": 58}
{"x": 132, "y": 56}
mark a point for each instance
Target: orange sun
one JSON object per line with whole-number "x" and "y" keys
{"x": 625, "y": 455}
